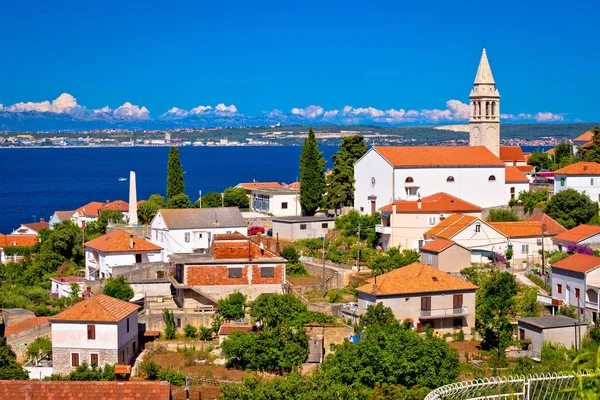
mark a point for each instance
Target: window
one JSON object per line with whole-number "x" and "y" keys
{"x": 425, "y": 303}
{"x": 492, "y": 178}
{"x": 538, "y": 242}
{"x": 138, "y": 258}
{"x": 591, "y": 181}
{"x": 128, "y": 325}
{"x": 91, "y": 332}
{"x": 74, "y": 359}
{"x": 450, "y": 179}
{"x": 267, "y": 272}
{"x": 429, "y": 259}
{"x": 367, "y": 304}
{"x": 512, "y": 193}
{"x": 302, "y": 226}
{"x": 94, "y": 359}
{"x": 457, "y": 301}
{"x": 477, "y": 228}
{"x": 187, "y": 237}
{"x": 362, "y": 209}
{"x": 235, "y": 272}
{"x": 524, "y": 248}
{"x": 325, "y": 225}
{"x": 284, "y": 205}
{"x": 179, "y": 322}
{"x": 409, "y": 180}
{"x": 200, "y": 236}
{"x": 457, "y": 323}
{"x": 559, "y": 288}
{"x": 431, "y": 220}
{"x": 562, "y": 181}
{"x": 521, "y": 334}
{"x": 577, "y": 293}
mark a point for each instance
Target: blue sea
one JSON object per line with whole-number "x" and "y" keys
{"x": 35, "y": 182}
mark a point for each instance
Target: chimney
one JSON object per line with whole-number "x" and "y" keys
{"x": 277, "y": 247}
{"x": 394, "y": 208}
{"x": 419, "y": 205}
{"x": 374, "y": 288}
{"x": 131, "y": 240}
{"x": 133, "y": 218}
{"x": 585, "y": 169}
{"x": 42, "y": 220}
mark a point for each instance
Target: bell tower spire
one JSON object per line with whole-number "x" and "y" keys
{"x": 485, "y": 109}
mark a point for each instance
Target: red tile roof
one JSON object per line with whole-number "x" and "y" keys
{"x": 118, "y": 241}
{"x": 71, "y": 390}
{"x": 584, "y": 137}
{"x": 230, "y": 236}
{"x": 580, "y": 168}
{"x": 578, "y": 263}
{"x": 415, "y": 278}
{"x": 295, "y": 185}
{"x": 526, "y": 169}
{"x": 511, "y": 153}
{"x": 435, "y": 203}
{"x": 25, "y": 325}
{"x": 578, "y": 233}
{"x": 551, "y": 227}
{"x": 38, "y": 226}
{"x": 64, "y": 215}
{"x": 438, "y": 156}
{"x": 117, "y": 205}
{"x": 91, "y": 209}
{"x": 437, "y": 245}
{"x": 228, "y": 329}
{"x": 518, "y": 228}
{"x": 18, "y": 240}
{"x": 450, "y": 226}
{"x": 68, "y": 279}
{"x": 98, "y": 308}
{"x": 261, "y": 185}
{"x": 514, "y": 175}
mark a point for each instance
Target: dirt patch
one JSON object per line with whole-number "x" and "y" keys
{"x": 470, "y": 346}
{"x": 209, "y": 392}
{"x": 165, "y": 360}
{"x": 304, "y": 280}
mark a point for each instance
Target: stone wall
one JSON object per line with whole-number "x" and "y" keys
{"x": 155, "y": 322}
{"x": 142, "y": 271}
{"x": 19, "y": 341}
{"x": 61, "y": 358}
{"x": 331, "y": 335}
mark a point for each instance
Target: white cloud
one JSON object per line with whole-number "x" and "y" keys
{"x": 63, "y": 103}
{"x": 43, "y": 106}
{"x": 200, "y": 109}
{"x": 133, "y": 111}
{"x": 366, "y": 112}
{"x": 548, "y": 116}
{"x": 545, "y": 116}
{"x": 226, "y": 109}
{"x": 177, "y": 112}
{"x": 330, "y": 114}
{"x": 310, "y": 112}
{"x": 103, "y": 110}
{"x": 1, "y": 106}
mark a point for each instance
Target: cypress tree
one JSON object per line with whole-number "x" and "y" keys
{"x": 340, "y": 184}
{"x": 312, "y": 175}
{"x": 175, "y": 183}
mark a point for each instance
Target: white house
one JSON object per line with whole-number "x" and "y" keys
{"x": 100, "y": 330}
{"x": 33, "y": 228}
{"x": 61, "y": 286}
{"x": 583, "y": 235}
{"x": 404, "y": 222}
{"x": 582, "y": 176}
{"x": 576, "y": 281}
{"x": 191, "y": 230}
{"x": 582, "y": 140}
{"x": 118, "y": 248}
{"x": 60, "y": 217}
{"x": 273, "y": 198}
{"x": 389, "y": 173}
{"x": 87, "y": 213}
{"x": 516, "y": 182}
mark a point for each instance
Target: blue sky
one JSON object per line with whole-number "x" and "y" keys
{"x": 261, "y": 56}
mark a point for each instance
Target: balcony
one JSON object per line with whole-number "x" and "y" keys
{"x": 384, "y": 230}
{"x": 443, "y": 313}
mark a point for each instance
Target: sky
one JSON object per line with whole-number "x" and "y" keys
{"x": 256, "y": 57}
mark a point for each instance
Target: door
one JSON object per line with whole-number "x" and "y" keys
{"x": 457, "y": 301}
{"x": 373, "y": 207}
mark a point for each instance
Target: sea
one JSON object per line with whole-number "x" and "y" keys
{"x": 38, "y": 181}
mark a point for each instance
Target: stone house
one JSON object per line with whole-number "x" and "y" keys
{"x": 227, "y": 329}
{"x": 100, "y": 330}
{"x": 19, "y": 335}
{"x": 445, "y": 255}
{"x": 556, "y": 329}
{"x": 423, "y": 295}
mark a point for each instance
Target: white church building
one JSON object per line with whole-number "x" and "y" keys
{"x": 473, "y": 173}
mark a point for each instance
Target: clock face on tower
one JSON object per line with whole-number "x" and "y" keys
{"x": 373, "y": 181}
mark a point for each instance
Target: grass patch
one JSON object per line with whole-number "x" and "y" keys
{"x": 539, "y": 281}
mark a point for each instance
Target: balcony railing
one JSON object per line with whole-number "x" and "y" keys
{"x": 384, "y": 230}
{"x": 443, "y": 313}
{"x": 592, "y": 305}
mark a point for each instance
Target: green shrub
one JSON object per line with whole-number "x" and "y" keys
{"x": 190, "y": 331}
{"x": 205, "y": 333}
{"x": 169, "y": 324}
{"x": 460, "y": 336}
{"x": 171, "y": 376}
{"x": 290, "y": 254}
{"x": 150, "y": 369}
{"x": 334, "y": 297}
{"x": 232, "y": 307}
{"x": 295, "y": 269}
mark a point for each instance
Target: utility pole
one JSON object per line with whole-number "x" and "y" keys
{"x": 323, "y": 279}
{"x": 358, "y": 257}
{"x": 543, "y": 255}
{"x": 578, "y": 324}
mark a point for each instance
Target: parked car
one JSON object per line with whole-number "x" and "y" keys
{"x": 255, "y": 230}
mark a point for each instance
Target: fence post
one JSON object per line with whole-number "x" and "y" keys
{"x": 526, "y": 388}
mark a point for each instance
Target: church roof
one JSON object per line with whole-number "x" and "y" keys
{"x": 438, "y": 156}
{"x": 511, "y": 153}
{"x": 484, "y": 72}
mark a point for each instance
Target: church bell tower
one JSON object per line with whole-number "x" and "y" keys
{"x": 484, "y": 124}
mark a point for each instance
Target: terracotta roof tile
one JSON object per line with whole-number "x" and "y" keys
{"x": 511, "y": 153}
{"x": 526, "y": 169}
{"x": 198, "y": 218}
{"x": 551, "y": 152}
{"x": 580, "y": 168}
{"x": 68, "y": 279}
{"x": 91, "y": 209}
{"x": 230, "y": 236}
{"x": 551, "y": 227}
{"x": 18, "y": 240}
{"x": 64, "y": 215}
{"x": 514, "y": 175}
{"x": 437, "y": 245}
{"x": 71, "y": 390}
{"x": 260, "y": 185}
{"x": 98, "y": 308}
{"x": 117, "y": 205}
{"x": 118, "y": 241}
{"x": 228, "y": 329}
{"x": 449, "y": 227}
{"x": 415, "y": 278}
{"x": 518, "y": 228}
{"x": 578, "y": 233}
{"x": 438, "y": 156}
{"x": 584, "y": 137}
{"x": 37, "y": 226}
{"x": 25, "y": 325}
{"x": 435, "y": 203}
{"x": 295, "y": 185}
{"x": 578, "y": 263}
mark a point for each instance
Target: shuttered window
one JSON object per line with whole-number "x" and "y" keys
{"x": 94, "y": 359}
{"x": 75, "y": 359}
{"x": 91, "y": 329}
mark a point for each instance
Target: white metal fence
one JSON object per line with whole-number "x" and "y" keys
{"x": 533, "y": 387}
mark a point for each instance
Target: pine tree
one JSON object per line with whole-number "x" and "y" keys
{"x": 340, "y": 184}
{"x": 175, "y": 183}
{"x": 312, "y": 175}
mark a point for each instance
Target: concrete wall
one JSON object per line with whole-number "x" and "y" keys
{"x": 331, "y": 335}
{"x": 451, "y": 260}
{"x": 142, "y": 271}
{"x": 293, "y": 230}
{"x": 518, "y": 187}
{"x": 588, "y": 184}
{"x": 574, "y": 280}
{"x": 373, "y": 165}
{"x": 155, "y": 321}
{"x": 19, "y": 341}
{"x": 563, "y": 335}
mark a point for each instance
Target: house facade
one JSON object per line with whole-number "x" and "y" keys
{"x": 59, "y": 217}
{"x": 403, "y": 222}
{"x": 296, "y": 228}
{"x": 100, "y": 330}
{"x": 192, "y": 230}
{"x": 277, "y": 199}
{"x": 445, "y": 255}
{"x": 234, "y": 264}
{"x": 583, "y": 177}
{"x": 118, "y": 248}
{"x": 583, "y": 235}
{"x": 424, "y": 295}
{"x": 61, "y": 286}
{"x": 15, "y": 242}
{"x": 516, "y": 182}
{"x": 582, "y": 140}
{"x": 29, "y": 229}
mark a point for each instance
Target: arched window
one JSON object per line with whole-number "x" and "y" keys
{"x": 409, "y": 180}
{"x": 492, "y": 178}
{"x": 493, "y": 108}
{"x": 450, "y": 179}
{"x": 487, "y": 108}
